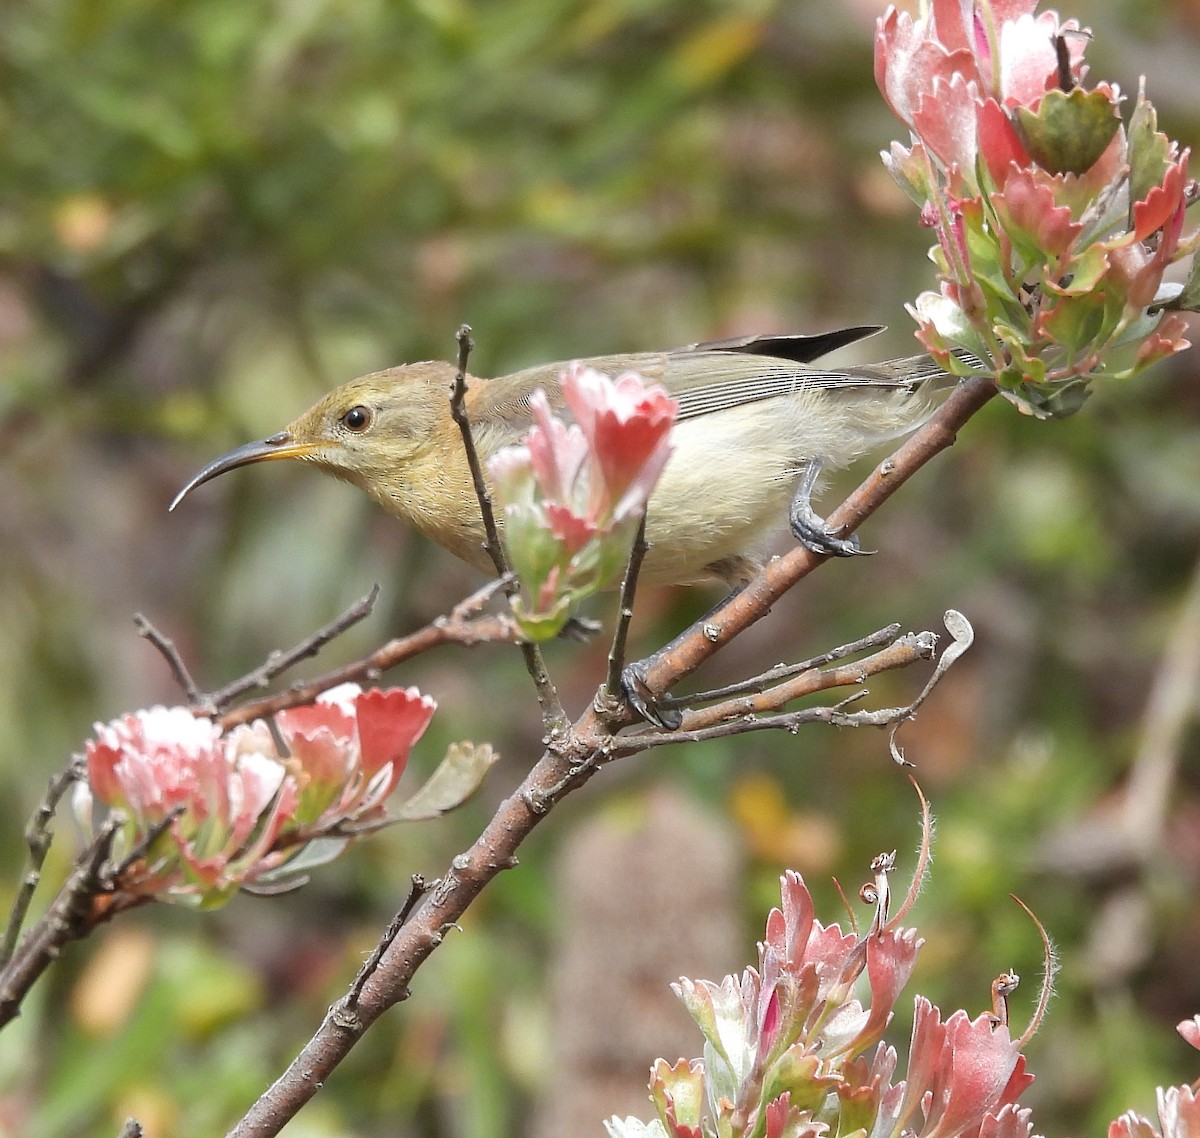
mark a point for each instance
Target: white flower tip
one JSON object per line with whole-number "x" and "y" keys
{"x": 342, "y": 697}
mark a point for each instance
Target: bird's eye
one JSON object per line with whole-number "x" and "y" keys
{"x": 357, "y": 419}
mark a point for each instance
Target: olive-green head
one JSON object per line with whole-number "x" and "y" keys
{"x": 369, "y": 431}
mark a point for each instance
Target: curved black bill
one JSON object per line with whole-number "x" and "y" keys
{"x": 281, "y": 445}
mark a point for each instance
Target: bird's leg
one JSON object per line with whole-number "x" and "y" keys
{"x": 809, "y": 528}
{"x": 660, "y": 709}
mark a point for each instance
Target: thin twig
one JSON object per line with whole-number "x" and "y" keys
{"x": 279, "y": 662}
{"x": 962, "y": 636}
{"x": 38, "y": 838}
{"x": 902, "y": 652}
{"x": 213, "y": 703}
{"x": 72, "y": 915}
{"x": 110, "y": 877}
{"x": 616, "y": 654}
{"x": 745, "y": 713}
{"x": 166, "y": 647}
{"x": 458, "y": 412}
{"x": 783, "y": 671}
{"x": 463, "y": 625}
{"x": 554, "y": 718}
{"x": 419, "y": 888}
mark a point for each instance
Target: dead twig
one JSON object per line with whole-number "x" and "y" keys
{"x": 38, "y": 838}
{"x": 74, "y": 913}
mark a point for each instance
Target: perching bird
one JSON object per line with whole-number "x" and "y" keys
{"x": 757, "y": 423}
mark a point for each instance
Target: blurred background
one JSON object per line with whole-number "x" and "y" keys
{"x": 211, "y": 211}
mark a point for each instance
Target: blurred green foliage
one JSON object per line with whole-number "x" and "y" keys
{"x": 212, "y": 210}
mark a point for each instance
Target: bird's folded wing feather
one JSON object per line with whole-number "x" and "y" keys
{"x": 706, "y": 378}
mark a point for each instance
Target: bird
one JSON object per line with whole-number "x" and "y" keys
{"x": 758, "y": 421}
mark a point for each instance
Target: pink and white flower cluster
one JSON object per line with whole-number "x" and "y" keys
{"x": 573, "y": 494}
{"x": 1055, "y": 220}
{"x": 210, "y": 811}
{"x": 790, "y": 1052}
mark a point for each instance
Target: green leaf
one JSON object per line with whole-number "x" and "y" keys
{"x": 1069, "y": 130}
{"x": 1149, "y": 150}
{"x": 798, "y": 1073}
{"x": 457, "y": 777}
{"x": 1048, "y": 400}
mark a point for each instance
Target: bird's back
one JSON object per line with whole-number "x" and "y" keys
{"x": 752, "y": 413}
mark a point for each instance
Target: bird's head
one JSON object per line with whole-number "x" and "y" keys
{"x": 368, "y": 431}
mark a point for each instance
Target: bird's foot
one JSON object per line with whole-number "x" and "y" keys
{"x": 812, "y": 531}
{"x": 646, "y": 703}
{"x": 809, "y": 528}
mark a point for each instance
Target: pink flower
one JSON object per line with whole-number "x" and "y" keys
{"x": 960, "y": 1073}
{"x": 1055, "y": 220}
{"x": 627, "y": 425}
{"x": 572, "y": 494}
{"x": 913, "y": 58}
{"x": 1179, "y": 1112}
{"x": 213, "y": 811}
{"x": 1190, "y": 1030}
{"x": 790, "y": 1052}
{"x": 558, "y": 452}
{"x": 226, "y": 797}
{"x": 1178, "y": 1117}
{"x": 348, "y": 749}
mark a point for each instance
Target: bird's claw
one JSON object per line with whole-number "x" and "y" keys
{"x": 814, "y": 534}
{"x": 645, "y": 702}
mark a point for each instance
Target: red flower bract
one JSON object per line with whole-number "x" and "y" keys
{"x": 349, "y": 748}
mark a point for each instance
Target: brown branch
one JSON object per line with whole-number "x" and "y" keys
{"x": 38, "y": 838}
{"x": 748, "y": 712}
{"x": 458, "y": 412}
{"x": 166, "y": 648}
{"x": 902, "y": 652}
{"x": 72, "y": 915}
{"x": 418, "y": 890}
{"x": 279, "y": 662}
{"x": 211, "y": 703}
{"x": 782, "y": 671}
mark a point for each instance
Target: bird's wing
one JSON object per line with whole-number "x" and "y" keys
{"x": 715, "y": 376}
{"x": 705, "y": 382}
